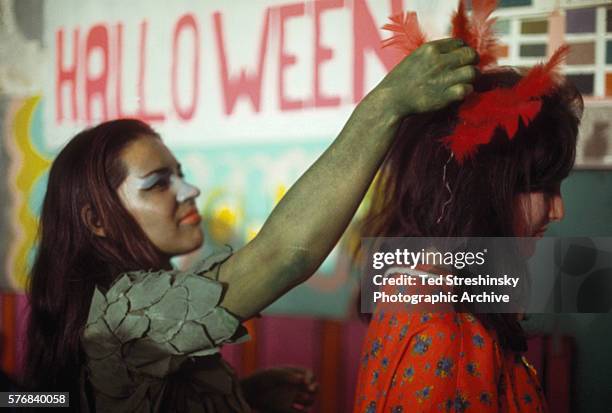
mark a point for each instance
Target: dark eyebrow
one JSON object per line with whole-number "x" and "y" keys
{"x": 163, "y": 171}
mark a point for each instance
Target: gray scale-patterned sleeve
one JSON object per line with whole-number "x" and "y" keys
{"x": 154, "y": 320}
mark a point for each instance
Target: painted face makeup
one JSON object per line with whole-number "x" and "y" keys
{"x": 176, "y": 183}
{"x": 155, "y": 193}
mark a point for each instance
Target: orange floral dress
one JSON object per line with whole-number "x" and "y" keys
{"x": 434, "y": 362}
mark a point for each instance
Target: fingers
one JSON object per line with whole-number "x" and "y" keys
{"x": 297, "y": 407}
{"x": 313, "y": 387}
{"x": 306, "y": 397}
{"x": 462, "y": 72}
{"x": 303, "y": 401}
{"x": 445, "y": 45}
{"x": 308, "y": 376}
{"x": 458, "y": 91}
{"x": 460, "y": 57}
{"x": 465, "y": 74}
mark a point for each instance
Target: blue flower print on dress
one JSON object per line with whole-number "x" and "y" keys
{"x": 384, "y": 363}
{"x": 422, "y": 370}
{"x": 423, "y": 341}
{"x": 472, "y": 369}
{"x": 444, "y": 367}
{"x": 461, "y": 403}
{"x": 485, "y": 398}
{"x": 478, "y": 340}
{"x": 403, "y": 332}
{"x": 375, "y": 376}
{"x": 425, "y": 317}
{"x": 408, "y": 373}
{"x": 376, "y": 346}
{"x": 423, "y": 394}
{"x": 371, "y": 408}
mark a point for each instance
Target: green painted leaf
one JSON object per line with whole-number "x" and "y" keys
{"x": 132, "y": 328}
{"x": 116, "y": 312}
{"x": 97, "y": 308}
{"x": 190, "y": 338}
{"x": 98, "y": 340}
{"x": 119, "y": 287}
{"x": 148, "y": 291}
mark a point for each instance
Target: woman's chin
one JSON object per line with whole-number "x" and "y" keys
{"x": 189, "y": 246}
{"x": 198, "y": 243}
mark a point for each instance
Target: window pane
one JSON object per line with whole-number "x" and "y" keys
{"x": 609, "y": 52}
{"x": 580, "y": 20}
{"x": 534, "y": 27}
{"x": 584, "y": 82}
{"x": 514, "y": 3}
{"x": 502, "y": 27}
{"x": 533, "y": 50}
{"x": 581, "y": 54}
{"x": 608, "y": 84}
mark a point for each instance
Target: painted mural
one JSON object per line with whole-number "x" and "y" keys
{"x": 240, "y": 186}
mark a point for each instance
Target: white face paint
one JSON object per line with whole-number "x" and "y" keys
{"x": 183, "y": 191}
{"x": 156, "y": 195}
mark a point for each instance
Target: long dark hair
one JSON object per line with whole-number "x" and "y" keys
{"x": 71, "y": 260}
{"x": 409, "y": 197}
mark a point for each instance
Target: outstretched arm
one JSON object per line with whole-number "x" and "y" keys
{"x": 311, "y": 217}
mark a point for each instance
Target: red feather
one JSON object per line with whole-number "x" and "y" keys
{"x": 481, "y": 114}
{"x": 460, "y": 25}
{"x": 477, "y": 31}
{"x": 483, "y": 32}
{"x": 542, "y": 76}
{"x": 408, "y": 34}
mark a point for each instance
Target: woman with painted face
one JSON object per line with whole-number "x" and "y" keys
{"x": 112, "y": 321}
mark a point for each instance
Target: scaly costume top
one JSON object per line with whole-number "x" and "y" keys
{"x": 152, "y": 344}
{"x": 441, "y": 362}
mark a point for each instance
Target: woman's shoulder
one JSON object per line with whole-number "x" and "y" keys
{"x": 168, "y": 313}
{"x": 143, "y": 288}
{"x": 420, "y": 333}
{"x": 415, "y": 321}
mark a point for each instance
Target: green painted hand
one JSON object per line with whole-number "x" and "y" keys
{"x": 434, "y": 75}
{"x": 309, "y": 220}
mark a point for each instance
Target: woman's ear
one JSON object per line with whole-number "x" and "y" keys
{"x": 91, "y": 221}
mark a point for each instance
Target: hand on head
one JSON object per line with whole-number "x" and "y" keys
{"x": 434, "y": 75}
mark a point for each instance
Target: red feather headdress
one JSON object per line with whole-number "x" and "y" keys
{"x": 482, "y": 113}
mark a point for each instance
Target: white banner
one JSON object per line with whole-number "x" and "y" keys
{"x": 216, "y": 71}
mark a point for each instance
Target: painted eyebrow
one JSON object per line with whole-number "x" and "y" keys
{"x": 163, "y": 171}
